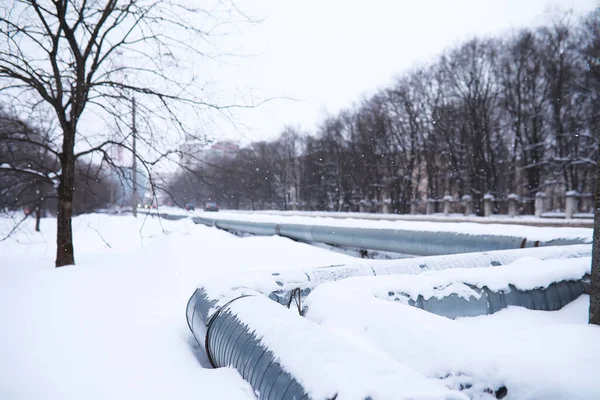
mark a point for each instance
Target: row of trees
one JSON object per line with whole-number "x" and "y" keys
{"x": 29, "y": 171}
{"x": 515, "y": 115}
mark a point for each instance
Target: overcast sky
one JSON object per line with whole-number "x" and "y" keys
{"x": 328, "y": 54}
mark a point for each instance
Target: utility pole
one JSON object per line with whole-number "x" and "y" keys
{"x": 134, "y": 193}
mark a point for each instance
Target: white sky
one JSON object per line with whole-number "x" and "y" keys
{"x": 330, "y": 53}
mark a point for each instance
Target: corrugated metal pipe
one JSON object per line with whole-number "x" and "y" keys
{"x": 487, "y": 301}
{"x": 228, "y": 341}
{"x": 393, "y": 240}
{"x": 237, "y": 325}
{"x": 308, "y": 279}
{"x": 284, "y": 356}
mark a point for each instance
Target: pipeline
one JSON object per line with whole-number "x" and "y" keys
{"x": 284, "y": 356}
{"x": 551, "y": 298}
{"x": 227, "y": 341}
{"x": 423, "y": 243}
{"x": 283, "y": 284}
{"x": 222, "y": 316}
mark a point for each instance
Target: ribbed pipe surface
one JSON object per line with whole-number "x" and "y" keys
{"x": 423, "y": 243}
{"x": 227, "y": 341}
{"x": 551, "y": 298}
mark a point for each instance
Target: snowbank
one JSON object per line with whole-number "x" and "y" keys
{"x": 549, "y": 219}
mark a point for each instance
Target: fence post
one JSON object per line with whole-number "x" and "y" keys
{"x": 488, "y": 209}
{"x": 513, "y": 202}
{"x": 447, "y": 200}
{"x": 413, "y": 207}
{"x": 468, "y": 203}
{"x": 430, "y": 206}
{"x": 571, "y": 204}
{"x": 361, "y": 206}
{"x": 539, "y": 204}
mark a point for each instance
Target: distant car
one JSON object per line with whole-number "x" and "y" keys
{"x": 190, "y": 207}
{"x": 211, "y": 207}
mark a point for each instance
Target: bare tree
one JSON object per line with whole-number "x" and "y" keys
{"x": 84, "y": 60}
{"x": 524, "y": 99}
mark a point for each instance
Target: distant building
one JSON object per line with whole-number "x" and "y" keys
{"x": 194, "y": 154}
{"x": 224, "y": 149}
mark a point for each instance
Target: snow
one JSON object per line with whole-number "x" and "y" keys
{"x": 535, "y": 354}
{"x": 113, "y": 326}
{"x": 525, "y": 273}
{"x": 532, "y": 233}
{"x": 327, "y": 365}
{"x": 552, "y": 220}
{"x": 314, "y": 275}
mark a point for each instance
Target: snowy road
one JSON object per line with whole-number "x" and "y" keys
{"x": 113, "y": 327}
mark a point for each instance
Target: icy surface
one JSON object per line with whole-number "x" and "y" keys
{"x": 531, "y": 233}
{"x": 113, "y": 326}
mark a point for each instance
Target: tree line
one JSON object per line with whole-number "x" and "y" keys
{"x": 517, "y": 114}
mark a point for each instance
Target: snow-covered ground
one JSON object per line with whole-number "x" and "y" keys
{"x": 535, "y": 354}
{"x": 113, "y": 326}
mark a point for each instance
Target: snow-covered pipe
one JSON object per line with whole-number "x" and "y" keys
{"x": 284, "y": 356}
{"x": 282, "y": 284}
{"x": 392, "y": 240}
{"x": 530, "y": 283}
{"x": 237, "y": 326}
{"x": 487, "y": 301}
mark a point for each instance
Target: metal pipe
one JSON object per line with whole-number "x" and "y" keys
{"x": 393, "y": 240}
{"x": 310, "y": 278}
{"x": 273, "y": 357}
{"x": 487, "y": 301}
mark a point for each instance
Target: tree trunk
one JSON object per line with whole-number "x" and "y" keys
{"x": 594, "y": 288}
{"x": 64, "y": 232}
{"x": 38, "y": 217}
